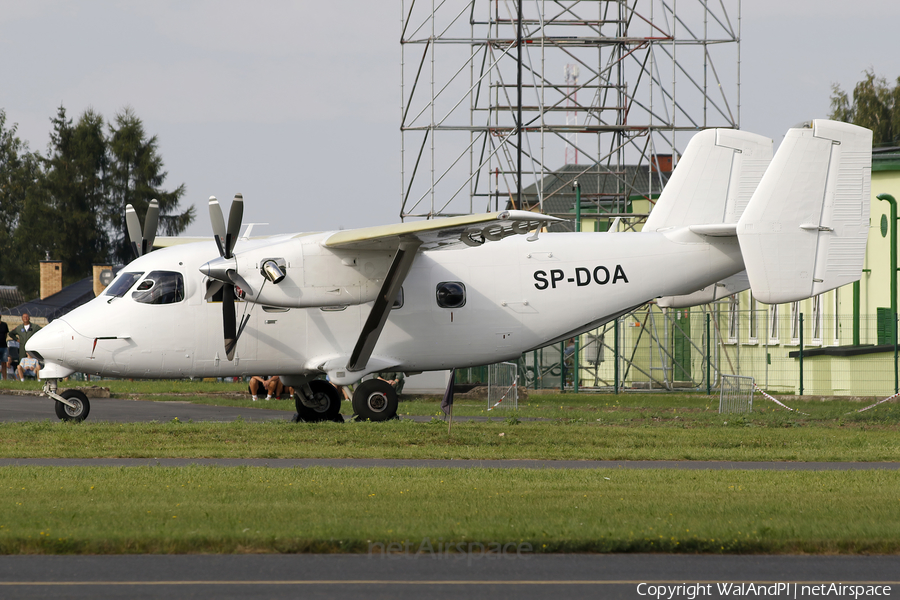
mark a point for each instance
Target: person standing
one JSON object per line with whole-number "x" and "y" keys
{"x": 23, "y": 333}
{"x": 4, "y": 349}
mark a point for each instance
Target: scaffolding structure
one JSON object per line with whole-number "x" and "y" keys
{"x": 498, "y": 96}
{"x": 489, "y": 103}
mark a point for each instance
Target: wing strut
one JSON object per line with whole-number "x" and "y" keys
{"x": 371, "y": 331}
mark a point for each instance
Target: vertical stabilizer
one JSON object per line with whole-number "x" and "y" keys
{"x": 714, "y": 180}
{"x": 805, "y": 229}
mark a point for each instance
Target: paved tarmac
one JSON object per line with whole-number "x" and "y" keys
{"x": 434, "y": 575}
{"x": 115, "y": 410}
{"x": 420, "y": 568}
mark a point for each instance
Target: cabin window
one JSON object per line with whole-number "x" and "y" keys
{"x": 160, "y": 287}
{"x": 398, "y": 301}
{"x": 451, "y": 294}
{"x": 122, "y": 284}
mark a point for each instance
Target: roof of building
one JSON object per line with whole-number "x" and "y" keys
{"x": 599, "y": 187}
{"x": 886, "y": 159}
{"x": 10, "y": 296}
{"x": 56, "y": 305}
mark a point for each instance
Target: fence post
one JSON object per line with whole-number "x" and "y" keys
{"x": 562, "y": 367}
{"x": 576, "y": 364}
{"x": 896, "y": 380}
{"x": 616, "y": 354}
{"x": 801, "y": 354}
{"x": 708, "y": 355}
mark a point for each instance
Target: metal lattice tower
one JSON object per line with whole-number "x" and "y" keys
{"x": 485, "y": 97}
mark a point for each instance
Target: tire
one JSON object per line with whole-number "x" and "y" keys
{"x": 331, "y": 406}
{"x": 375, "y": 400}
{"x": 81, "y": 410}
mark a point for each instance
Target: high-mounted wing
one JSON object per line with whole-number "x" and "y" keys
{"x": 408, "y": 239}
{"x": 472, "y": 230}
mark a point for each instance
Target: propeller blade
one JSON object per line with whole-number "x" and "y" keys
{"x": 150, "y": 223}
{"x": 218, "y": 223}
{"x": 133, "y": 226}
{"x": 214, "y": 287}
{"x": 234, "y": 224}
{"x": 241, "y": 282}
{"x": 229, "y": 321}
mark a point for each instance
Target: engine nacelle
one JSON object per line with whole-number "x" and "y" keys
{"x": 314, "y": 276}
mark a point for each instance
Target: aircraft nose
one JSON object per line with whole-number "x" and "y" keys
{"x": 49, "y": 341}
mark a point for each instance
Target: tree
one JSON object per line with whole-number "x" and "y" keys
{"x": 20, "y": 174}
{"x": 875, "y": 105}
{"x": 74, "y": 184}
{"x": 135, "y": 177}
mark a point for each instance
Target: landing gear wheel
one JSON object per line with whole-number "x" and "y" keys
{"x": 328, "y": 402}
{"x": 79, "y": 412}
{"x": 375, "y": 400}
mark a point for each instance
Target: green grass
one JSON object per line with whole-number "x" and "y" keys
{"x": 202, "y": 509}
{"x": 243, "y": 509}
{"x": 571, "y": 440}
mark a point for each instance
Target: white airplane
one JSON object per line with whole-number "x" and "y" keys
{"x": 467, "y": 290}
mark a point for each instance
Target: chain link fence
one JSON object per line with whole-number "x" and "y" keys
{"x": 782, "y": 348}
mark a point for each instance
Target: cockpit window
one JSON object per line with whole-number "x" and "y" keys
{"x": 160, "y": 287}
{"x": 122, "y": 284}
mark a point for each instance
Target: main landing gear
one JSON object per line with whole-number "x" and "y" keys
{"x": 318, "y": 401}
{"x": 373, "y": 400}
{"x": 71, "y": 405}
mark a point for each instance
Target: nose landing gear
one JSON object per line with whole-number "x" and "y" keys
{"x": 71, "y": 405}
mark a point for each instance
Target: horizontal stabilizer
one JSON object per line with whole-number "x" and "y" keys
{"x": 713, "y": 181}
{"x": 805, "y": 229}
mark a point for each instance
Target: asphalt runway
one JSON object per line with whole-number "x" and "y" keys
{"x": 420, "y": 568}
{"x": 435, "y": 575}
{"x": 116, "y": 410}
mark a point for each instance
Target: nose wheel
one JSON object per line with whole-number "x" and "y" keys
{"x": 79, "y": 409}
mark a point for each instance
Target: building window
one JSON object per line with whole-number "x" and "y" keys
{"x": 795, "y": 322}
{"x": 836, "y": 324}
{"x": 774, "y": 334}
{"x": 753, "y": 322}
{"x": 733, "y": 320}
{"x": 818, "y": 320}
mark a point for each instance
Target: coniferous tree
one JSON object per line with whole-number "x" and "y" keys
{"x": 136, "y": 176}
{"x": 20, "y": 177}
{"x": 74, "y": 184}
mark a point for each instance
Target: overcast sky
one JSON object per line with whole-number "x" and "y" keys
{"x": 296, "y": 104}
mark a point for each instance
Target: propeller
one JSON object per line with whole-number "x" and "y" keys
{"x": 224, "y": 268}
{"x": 142, "y": 243}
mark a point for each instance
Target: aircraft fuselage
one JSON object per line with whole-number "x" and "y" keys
{"x": 519, "y": 295}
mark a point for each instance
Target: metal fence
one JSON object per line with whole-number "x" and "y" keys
{"x": 503, "y": 386}
{"x": 784, "y": 349}
{"x": 736, "y": 394}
